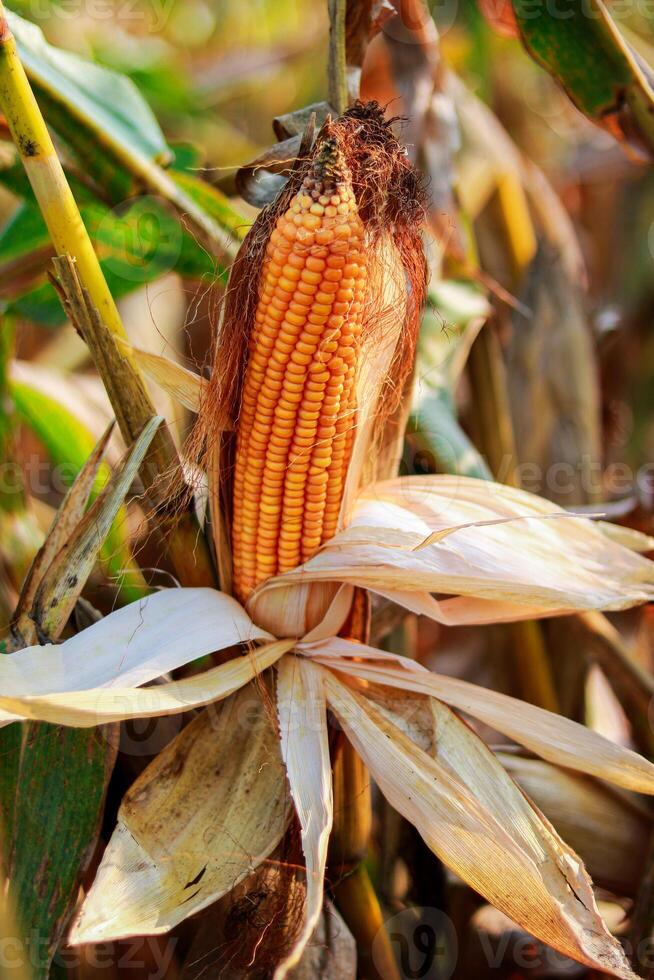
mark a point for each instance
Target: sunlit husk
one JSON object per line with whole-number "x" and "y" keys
{"x": 184, "y": 386}
{"x": 608, "y": 829}
{"x": 98, "y": 706}
{"x": 210, "y": 808}
{"x": 484, "y": 541}
{"x": 133, "y": 645}
{"x": 78, "y": 679}
{"x": 302, "y": 716}
{"x": 474, "y": 818}
{"x": 550, "y": 736}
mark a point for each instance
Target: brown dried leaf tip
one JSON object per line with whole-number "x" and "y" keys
{"x": 299, "y": 310}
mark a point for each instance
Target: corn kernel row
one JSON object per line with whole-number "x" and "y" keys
{"x": 298, "y": 407}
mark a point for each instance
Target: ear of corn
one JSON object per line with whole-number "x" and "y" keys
{"x": 298, "y": 408}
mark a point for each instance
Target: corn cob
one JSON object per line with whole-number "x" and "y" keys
{"x": 298, "y": 410}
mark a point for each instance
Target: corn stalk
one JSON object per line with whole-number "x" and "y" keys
{"x": 92, "y": 308}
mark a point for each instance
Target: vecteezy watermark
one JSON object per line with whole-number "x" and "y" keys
{"x": 424, "y": 942}
{"x": 151, "y": 14}
{"x": 148, "y": 955}
{"x": 148, "y": 736}
{"x": 425, "y": 947}
{"x": 559, "y": 480}
{"x": 142, "y": 237}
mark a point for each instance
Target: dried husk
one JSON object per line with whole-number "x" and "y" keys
{"x": 554, "y": 738}
{"x": 210, "y": 808}
{"x": 302, "y": 714}
{"x": 609, "y": 830}
{"x": 471, "y": 814}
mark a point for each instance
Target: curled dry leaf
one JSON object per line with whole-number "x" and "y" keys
{"x": 610, "y": 830}
{"x": 64, "y": 524}
{"x": 182, "y": 385}
{"x": 133, "y": 646}
{"x": 210, "y": 808}
{"x": 85, "y": 709}
{"x": 305, "y": 750}
{"x": 545, "y": 566}
{"x": 64, "y": 580}
{"x": 553, "y": 382}
{"x": 488, "y": 155}
{"x": 260, "y": 181}
{"x": 472, "y": 815}
{"x": 628, "y": 537}
{"x": 550, "y": 736}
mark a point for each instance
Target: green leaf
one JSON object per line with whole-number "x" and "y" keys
{"x": 213, "y": 202}
{"x": 88, "y": 98}
{"x": 187, "y": 156}
{"x": 449, "y": 326}
{"x": 39, "y": 305}
{"x": 579, "y": 44}
{"x": 52, "y": 789}
{"x": 137, "y": 243}
{"x": 109, "y": 127}
{"x": 53, "y": 780}
{"x": 23, "y": 233}
{"x": 439, "y": 443}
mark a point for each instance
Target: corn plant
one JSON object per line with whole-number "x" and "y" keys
{"x": 263, "y": 653}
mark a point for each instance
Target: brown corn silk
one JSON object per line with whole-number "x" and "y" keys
{"x": 330, "y": 271}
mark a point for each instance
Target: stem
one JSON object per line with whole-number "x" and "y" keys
{"x": 89, "y": 296}
{"x": 350, "y": 837}
{"x": 518, "y": 227}
{"x": 47, "y": 177}
{"x": 337, "y": 70}
{"x": 348, "y": 844}
{"x": 186, "y": 545}
{"x": 359, "y": 906}
{"x": 492, "y": 414}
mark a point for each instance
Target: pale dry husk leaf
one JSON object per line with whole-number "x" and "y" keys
{"x": 475, "y": 819}
{"x": 550, "y": 736}
{"x": 98, "y": 706}
{"x": 184, "y": 386}
{"x": 133, "y": 646}
{"x": 495, "y": 547}
{"x": 305, "y": 750}
{"x": 609, "y": 829}
{"x": 210, "y": 808}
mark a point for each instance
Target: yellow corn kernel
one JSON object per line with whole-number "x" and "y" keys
{"x": 298, "y": 407}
